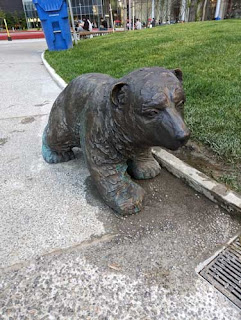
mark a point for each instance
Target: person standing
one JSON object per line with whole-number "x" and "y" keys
{"x": 138, "y": 24}
{"x": 153, "y": 23}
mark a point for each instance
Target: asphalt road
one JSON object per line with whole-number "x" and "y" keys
{"x": 64, "y": 254}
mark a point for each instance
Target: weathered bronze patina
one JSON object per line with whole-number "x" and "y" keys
{"x": 116, "y": 122}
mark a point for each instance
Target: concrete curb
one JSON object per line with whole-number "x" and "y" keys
{"x": 199, "y": 181}
{"x": 60, "y": 82}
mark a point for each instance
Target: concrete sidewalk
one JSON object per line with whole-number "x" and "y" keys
{"x": 64, "y": 254}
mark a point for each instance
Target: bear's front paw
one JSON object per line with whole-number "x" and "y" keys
{"x": 143, "y": 169}
{"x": 51, "y": 156}
{"x": 129, "y": 200}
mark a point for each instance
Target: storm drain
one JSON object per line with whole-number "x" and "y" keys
{"x": 224, "y": 272}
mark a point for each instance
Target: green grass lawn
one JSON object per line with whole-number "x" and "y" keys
{"x": 209, "y": 54}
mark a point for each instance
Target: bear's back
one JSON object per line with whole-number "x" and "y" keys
{"x": 88, "y": 91}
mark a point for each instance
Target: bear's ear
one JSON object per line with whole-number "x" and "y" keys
{"x": 119, "y": 94}
{"x": 178, "y": 74}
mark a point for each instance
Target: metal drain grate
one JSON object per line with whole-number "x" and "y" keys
{"x": 224, "y": 272}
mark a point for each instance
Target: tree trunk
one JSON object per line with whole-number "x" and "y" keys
{"x": 204, "y": 10}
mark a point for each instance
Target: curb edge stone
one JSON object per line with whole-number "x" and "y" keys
{"x": 60, "y": 82}
{"x": 213, "y": 190}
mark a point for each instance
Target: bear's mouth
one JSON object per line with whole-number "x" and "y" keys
{"x": 178, "y": 144}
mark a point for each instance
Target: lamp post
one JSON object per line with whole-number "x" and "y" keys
{"x": 129, "y": 14}
{"x": 153, "y": 9}
{"x": 124, "y": 13}
{"x": 111, "y": 18}
{"x": 133, "y": 15}
{"x": 217, "y": 12}
{"x": 72, "y": 22}
{"x": 80, "y": 11}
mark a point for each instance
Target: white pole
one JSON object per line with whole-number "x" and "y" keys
{"x": 111, "y": 18}
{"x": 133, "y": 15}
{"x": 124, "y": 13}
{"x": 129, "y": 14}
{"x": 153, "y": 9}
{"x": 72, "y": 21}
{"x": 80, "y": 11}
{"x": 183, "y": 10}
{"x": 217, "y": 12}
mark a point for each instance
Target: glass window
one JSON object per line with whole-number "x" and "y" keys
{"x": 31, "y": 14}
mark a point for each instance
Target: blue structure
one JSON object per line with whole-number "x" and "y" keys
{"x": 54, "y": 18}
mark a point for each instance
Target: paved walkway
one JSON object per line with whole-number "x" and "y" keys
{"x": 64, "y": 254}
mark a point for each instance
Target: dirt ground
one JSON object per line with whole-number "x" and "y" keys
{"x": 203, "y": 159}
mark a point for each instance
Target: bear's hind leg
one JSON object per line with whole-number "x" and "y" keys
{"x": 144, "y": 166}
{"x": 55, "y": 152}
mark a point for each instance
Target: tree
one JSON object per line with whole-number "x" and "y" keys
{"x": 10, "y": 20}
{"x": 2, "y": 16}
{"x": 22, "y": 20}
{"x": 204, "y": 9}
{"x": 16, "y": 18}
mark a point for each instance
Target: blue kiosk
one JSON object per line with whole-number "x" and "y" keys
{"x": 54, "y": 18}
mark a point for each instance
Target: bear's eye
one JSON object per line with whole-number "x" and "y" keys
{"x": 152, "y": 113}
{"x": 180, "y": 104}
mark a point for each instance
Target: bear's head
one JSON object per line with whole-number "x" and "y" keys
{"x": 148, "y": 106}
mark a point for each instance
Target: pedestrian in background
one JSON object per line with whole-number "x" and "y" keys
{"x": 87, "y": 24}
{"x": 103, "y": 24}
{"x": 138, "y": 24}
{"x": 153, "y": 23}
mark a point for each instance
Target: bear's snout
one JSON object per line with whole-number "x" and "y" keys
{"x": 183, "y": 136}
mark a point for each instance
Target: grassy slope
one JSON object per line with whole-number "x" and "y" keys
{"x": 209, "y": 54}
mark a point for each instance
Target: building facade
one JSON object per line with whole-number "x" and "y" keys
{"x": 93, "y": 9}
{"x": 11, "y": 6}
{"x": 164, "y": 11}
{"x": 171, "y": 11}
{"x": 31, "y": 14}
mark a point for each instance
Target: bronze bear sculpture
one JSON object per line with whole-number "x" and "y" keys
{"x": 116, "y": 122}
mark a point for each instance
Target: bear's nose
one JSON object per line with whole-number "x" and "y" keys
{"x": 183, "y": 136}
